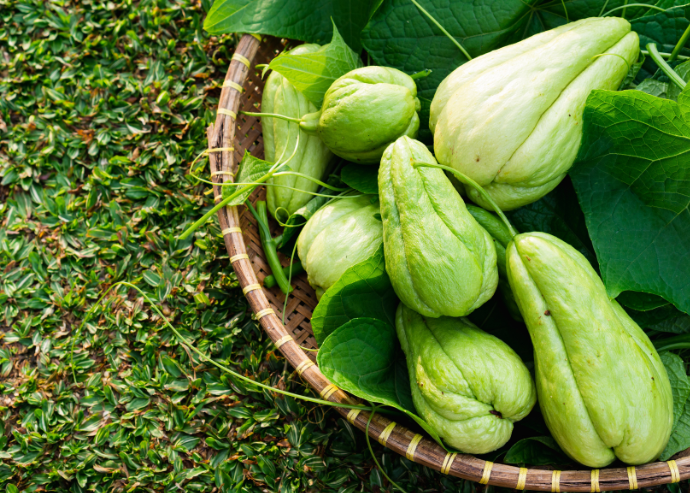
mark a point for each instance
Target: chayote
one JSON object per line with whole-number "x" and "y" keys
{"x": 344, "y": 232}
{"x": 468, "y": 385}
{"x": 440, "y": 261}
{"x": 602, "y": 387}
{"x": 312, "y": 157}
{"x": 512, "y": 119}
{"x": 364, "y": 111}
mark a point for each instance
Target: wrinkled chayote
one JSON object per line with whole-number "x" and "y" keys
{"x": 341, "y": 234}
{"x": 364, "y": 111}
{"x": 512, "y": 119}
{"x": 440, "y": 261}
{"x": 466, "y": 384}
{"x": 602, "y": 387}
{"x": 280, "y": 137}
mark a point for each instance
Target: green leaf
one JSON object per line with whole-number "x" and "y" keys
{"x": 680, "y": 385}
{"x": 152, "y": 278}
{"x": 251, "y": 169}
{"x": 536, "y": 451}
{"x": 680, "y": 437}
{"x": 293, "y": 19}
{"x": 559, "y": 214}
{"x": 641, "y": 301}
{"x": 313, "y": 73}
{"x": 400, "y": 36}
{"x": 363, "y": 357}
{"x": 364, "y": 290}
{"x": 633, "y": 182}
{"x": 361, "y": 177}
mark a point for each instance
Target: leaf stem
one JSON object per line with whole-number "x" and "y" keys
{"x": 675, "y": 342}
{"x": 469, "y": 181}
{"x": 272, "y": 115}
{"x": 443, "y": 30}
{"x": 623, "y": 7}
{"x": 269, "y": 245}
{"x": 666, "y": 55}
{"x": 665, "y": 67}
{"x": 681, "y": 43}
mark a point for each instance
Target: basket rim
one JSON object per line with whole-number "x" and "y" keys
{"x": 415, "y": 447}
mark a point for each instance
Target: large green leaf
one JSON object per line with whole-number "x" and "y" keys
{"x": 364, "y": 358}
{"x": 680, "y": 437}
{"x": 633, "y": 183}
{"x": 364, "y": 290}
{"x": 294, "y": 19}
{"x": 313, "y": 73}
{"x": 536, "y": 451}
{"x": 400, "y": 36}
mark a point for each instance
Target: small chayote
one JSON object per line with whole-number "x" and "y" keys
{"x": 440, "y": 261}
{"x": 512, "y": 119}
{"x": 364, "y": 111}
{"x": 341, "y": 234}
{"x": 311, "y": 158}
{"x": 466, "y": 384}
{"x": 602, "y": 387}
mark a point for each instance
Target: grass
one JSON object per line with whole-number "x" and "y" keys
{"x": 103, "y": 106}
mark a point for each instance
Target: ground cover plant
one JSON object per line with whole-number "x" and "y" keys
{"x": 103, "y": 106}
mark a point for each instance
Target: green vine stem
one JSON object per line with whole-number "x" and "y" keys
{"x": 272, "y": 115}
{"x": 665, "y": 67}
{"x": 469, "y": 181}
{"x": 200, "y": 354}
{"x": 681, "y": 43}
{"x": 623, "y": 7}
{"x": 269, "y": 245}
{"x": 443, "y": 30}
{"x": 297, "y": 268}
{"x": 666, "y": 55}
{"x": 421, "y": 74}
{"x": 675, "y": 342}
{"x": 371, "y": 450}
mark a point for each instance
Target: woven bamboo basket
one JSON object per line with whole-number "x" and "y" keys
{"x": 230, "y": 136}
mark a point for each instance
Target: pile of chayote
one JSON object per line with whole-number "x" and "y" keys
{"x": 511, "y": 121}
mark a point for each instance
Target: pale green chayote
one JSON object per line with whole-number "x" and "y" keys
{"x": 466, "y": 384}
{"x": 602, "y": 387}
{"x": 342, "y": 233}
{"x": 364, "y": 111}
{"x": 440, "y": 261}
{"x": 512, "y": 119}
{"x": 311, "y": 158}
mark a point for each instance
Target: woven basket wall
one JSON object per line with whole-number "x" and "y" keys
{"x": 231, "y": 135}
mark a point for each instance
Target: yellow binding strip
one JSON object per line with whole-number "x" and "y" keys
{"x": 412, "y": 447}
{"x": 235, "y": 258}
{"x": 250, "y": 288}
{"x": 328, "y": 391}
{"x": 352, "y": 415}
{"x": 301, "y": 368}
{"x": 522, "y": 479}
{"x": 262, "y": 313}
{"x": 448, "y": 462}
{"x": 217, "y": 198}
{"x": 675, "y": 472}
{"x": 231, "y": 229}
{"x": 594, "y": 478}
{"x": 230, "y": 113}
{"x": 234, "y": 85}
{"x": 486, "y": 473}
{"x": 241, "y": 59}
{"x": 283, "y": 339}
{"x": 632, "y": 477}
{"x": 257, "y": 36}
{"x": 383, "y": 437}
{"x": 221, "y": 149}
{"x": 556, "y": 482}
